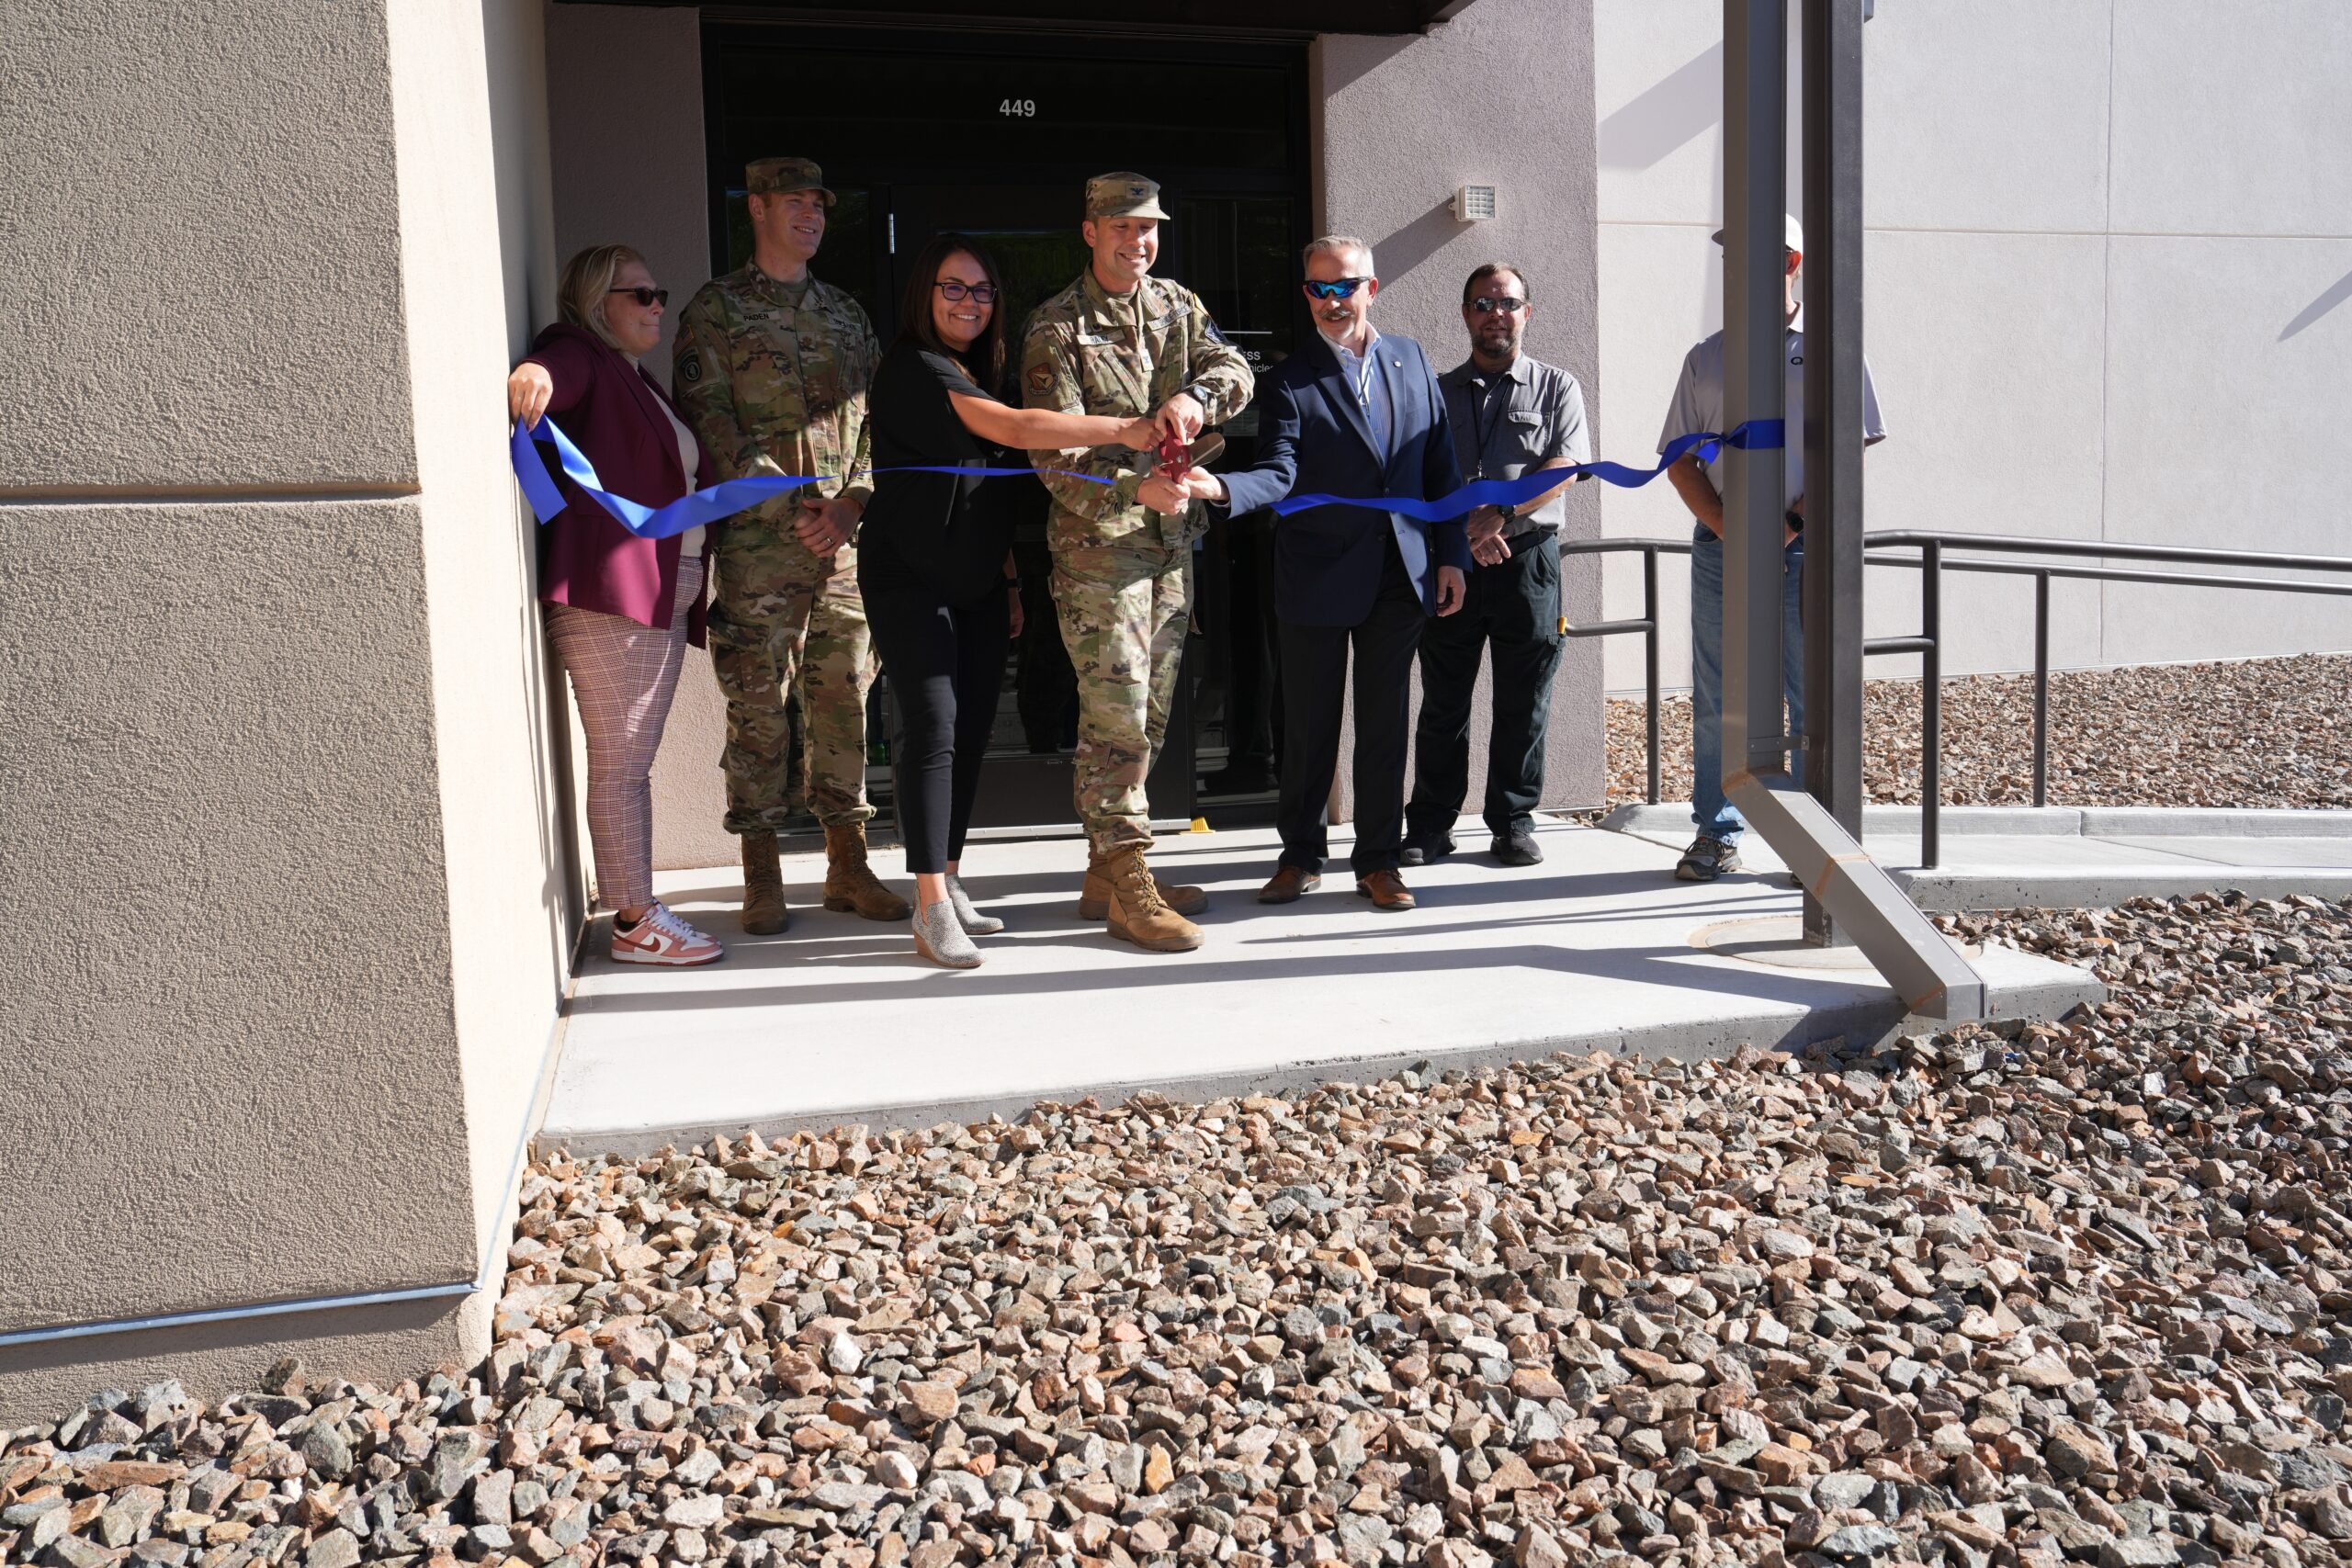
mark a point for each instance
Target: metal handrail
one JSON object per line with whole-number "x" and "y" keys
{"x": 1928, "y": 644}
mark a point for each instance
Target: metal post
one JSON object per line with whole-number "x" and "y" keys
{"x": 1833, "y": 424}
{"x": 1926, "y": 970}
{"x": 2042, "y": 688}
{"x": 1649, "y": 659}
{"x": 1756, "y": 70}
{"x": 1931, "y": 701}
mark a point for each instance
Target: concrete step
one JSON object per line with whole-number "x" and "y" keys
{"x": 1995, "y": 857}
{"x": 837, "y": 1020}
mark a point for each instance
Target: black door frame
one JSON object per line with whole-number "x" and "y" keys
{"x": 1173, "y": 784}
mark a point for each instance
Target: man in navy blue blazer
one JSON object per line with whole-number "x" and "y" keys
{"x": 1353, "y": 413}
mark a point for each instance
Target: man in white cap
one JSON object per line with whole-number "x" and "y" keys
{"x": 1699, "y": 405}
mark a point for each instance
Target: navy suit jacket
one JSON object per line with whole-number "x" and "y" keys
{"x": 1314, "y": 438}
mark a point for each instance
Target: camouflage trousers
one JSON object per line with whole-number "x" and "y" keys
{"x": 1123, "y": 610}
{"x": 780, "y": 614}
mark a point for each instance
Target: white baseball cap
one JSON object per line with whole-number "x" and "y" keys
{"x": 1795, "y": 235}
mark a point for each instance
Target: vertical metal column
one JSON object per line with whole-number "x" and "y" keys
{"x": 1833, "y": 424}
{"x": 1926, "y": 970}
{"x": 1755, "y": 71}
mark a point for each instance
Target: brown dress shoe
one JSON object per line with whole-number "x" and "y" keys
{"x": 1386, "y": 890}
{"x": 1290, "y": 883}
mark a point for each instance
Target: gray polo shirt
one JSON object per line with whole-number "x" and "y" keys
{"x": 1699, "y": 405}
{"x": 1507, "y": 423}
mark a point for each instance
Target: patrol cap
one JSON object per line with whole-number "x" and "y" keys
{"x": 1793, "y": 235}
{"x": 774, "y": 177}
{"x": 1123, "y": 195}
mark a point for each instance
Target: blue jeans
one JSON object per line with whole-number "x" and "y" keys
{"x": 1714, "y": 814}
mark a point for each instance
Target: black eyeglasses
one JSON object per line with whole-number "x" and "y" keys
{"x": 1487, "y": 304}
{"x": 956, "y": 292}
{"x": 643, "y": 296}
{"x": 1338, "y": 288}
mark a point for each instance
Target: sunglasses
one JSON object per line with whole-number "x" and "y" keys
{"x": 646, "y": 297}
{"x": 984, "y": 293}
{"x": 1487, "y": 305}
{"x": 1338, "y": 288}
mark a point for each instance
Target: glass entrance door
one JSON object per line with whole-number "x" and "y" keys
{"x": 994, "y": 134}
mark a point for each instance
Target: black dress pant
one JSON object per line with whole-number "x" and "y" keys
{"x": 1512, "y": 608}
{"x": 946, "y": 665}
{"x": 1314, "y": 675}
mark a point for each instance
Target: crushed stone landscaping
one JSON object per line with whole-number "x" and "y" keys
{"x": 2003, "y": 1297}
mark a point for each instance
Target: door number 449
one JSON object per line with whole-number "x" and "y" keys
{"x": 1018, "y": 109}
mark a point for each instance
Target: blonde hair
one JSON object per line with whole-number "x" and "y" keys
{"x": 587, "y": 282}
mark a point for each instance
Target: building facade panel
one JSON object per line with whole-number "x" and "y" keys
{"x": 1497, "y": 96}
{"x": 2220, "y": 413}
{"x": 1988, "y": 116}
{"x": 2012, "y": 152}
{"x": 2232, "y": 119}
{"x": 221, "y": 784}
{"x": 198, "y": 227}
{"x": 2018, "y": 453}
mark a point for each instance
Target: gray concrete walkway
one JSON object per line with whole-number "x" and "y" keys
{"x": 838, "y": 1020}
{"x": 2004, "y": 857}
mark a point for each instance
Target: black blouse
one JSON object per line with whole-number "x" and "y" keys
{"x": 947, "y": 533}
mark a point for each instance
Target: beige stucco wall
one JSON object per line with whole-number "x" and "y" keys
{"x": 471, "y": 146}
{"x": 270, "y": 768}
{"x": 1500, "y": 96}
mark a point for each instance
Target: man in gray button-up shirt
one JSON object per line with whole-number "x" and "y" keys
{"x": 1509, "y": 413}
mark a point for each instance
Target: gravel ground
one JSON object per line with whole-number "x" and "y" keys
{"x": 2254, "y": 732}
{"x": 2011, "y": 1296}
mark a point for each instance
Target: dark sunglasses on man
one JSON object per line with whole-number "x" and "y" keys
{"x": 1337, "y": 288}
{"x": 984, "y": 293}
{"x": 1487, "y": 304}
{"x": 649, "y": 298}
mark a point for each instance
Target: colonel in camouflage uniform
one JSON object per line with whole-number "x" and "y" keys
{"x": 1119, "y": 341}
{"x": 771, "y": 366}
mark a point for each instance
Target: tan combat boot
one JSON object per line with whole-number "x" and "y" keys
{"x": 851, "y": 886}
{"x": 1094, "y": 897}
{"x": 1138, "y": 914}
{"x": 764, "y": 910}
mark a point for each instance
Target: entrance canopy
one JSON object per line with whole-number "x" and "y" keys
{"x": 1282, "y": 18}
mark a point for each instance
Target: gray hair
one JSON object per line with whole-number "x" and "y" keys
{"x": 1338, "y": 244}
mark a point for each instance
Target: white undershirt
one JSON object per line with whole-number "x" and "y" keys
{"x": 689, "y": 542}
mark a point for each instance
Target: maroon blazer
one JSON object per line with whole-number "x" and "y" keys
{"x": 612, "y": 411}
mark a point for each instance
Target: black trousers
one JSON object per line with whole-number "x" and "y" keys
{"x": 1513, "y": 609}
{"x": 1315, "y": 674}
{"x": 946, "y": 665}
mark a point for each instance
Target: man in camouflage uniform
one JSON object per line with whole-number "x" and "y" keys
{"x": 1121, "y": 343}
{"x": 771, "y": 367}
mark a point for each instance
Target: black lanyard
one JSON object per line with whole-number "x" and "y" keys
{"x": 1482, "y": 427}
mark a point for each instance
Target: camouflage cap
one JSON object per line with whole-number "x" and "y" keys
{"x": 1123, "y": 195}
{"x": 774, "y": 177}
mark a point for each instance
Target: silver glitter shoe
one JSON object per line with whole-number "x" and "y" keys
{"x": 941, "y": 940}
{"x": 971, "y": 918}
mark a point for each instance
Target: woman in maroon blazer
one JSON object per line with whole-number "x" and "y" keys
{"x": 620, "y": 609}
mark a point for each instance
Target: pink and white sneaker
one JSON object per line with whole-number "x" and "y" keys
{"x": 662, "y": 938}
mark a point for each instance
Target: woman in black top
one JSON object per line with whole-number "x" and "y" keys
{"x": 935, "y": 560}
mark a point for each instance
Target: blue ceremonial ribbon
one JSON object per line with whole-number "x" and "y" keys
{"x": 711, "y": 504}
{"x": 1754, "y": 435}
